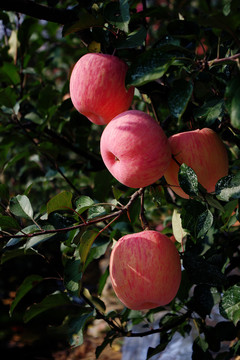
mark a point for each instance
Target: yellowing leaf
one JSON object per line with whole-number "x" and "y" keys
{"x": 94, "y": 47}
{"x": 178, "y": 231}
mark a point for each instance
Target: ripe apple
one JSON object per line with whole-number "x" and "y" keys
{"x": 204, "y": 152}
{"x": 145, "y": 270}
{"x": 97, "y": 87}
{"x": 135, "y": 149}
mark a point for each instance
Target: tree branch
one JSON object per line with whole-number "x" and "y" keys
{"x": 114, "y": 214}
{"x": 31, "y": 8}
{"x": 180, "y": 320}
{"x": 229, "y": 58}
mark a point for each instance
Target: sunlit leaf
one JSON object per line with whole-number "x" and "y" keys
{"x": 86, "y": 242}
{"x": 230, "y": 304}
{"x": 83, "y": 203}
{"x": 73, "y": 275}
{"x": 188, "y": 180}
{"x": 178, "y": 230}
{"x": 21, "y": 207}
{"x": 228, "y": 187}
{"x": 61, "y": 201}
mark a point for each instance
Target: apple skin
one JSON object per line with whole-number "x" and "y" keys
{"x": 135, "y": 149}
{"x": 204, "y": 152}
{"x": 145, "y": 270}
{"x": 97, "y": 87}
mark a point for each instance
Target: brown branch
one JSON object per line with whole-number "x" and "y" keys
{"x": 230, "y": 58}
{"x": 33, "y": 9}
{"x": 123, "y": 332}
{"x": 114, "y": 214}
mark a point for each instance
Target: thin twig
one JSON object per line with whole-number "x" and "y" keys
{"x": 123, "y": 332}
{"x": 230, "y": 58}
{"x": 114, "y": 214}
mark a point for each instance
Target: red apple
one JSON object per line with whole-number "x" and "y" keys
{"x": 204, "y": 152}
{"x": 97, "y": 87}
{"x": 202, "y": 48}
{"x": 135, "y": 149}
{"x": 145, "y": 270}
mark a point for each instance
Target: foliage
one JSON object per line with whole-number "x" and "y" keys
{"x": 61, "y": 210}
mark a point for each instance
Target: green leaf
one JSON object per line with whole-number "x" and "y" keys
{"x": 27, "y": 285}
{"x": 73, "y": 276}
{"x": 117, "y": 193}
{"x": 235, "y": 110}
{"x": 204, "y": 223}
{"x": 102, "y": 281}
{"x": 76, "y": 327}
{"x": 21, "y": 207}
{"x": 86, "y": 242}
{"x": 228, "y": 187}
{"x": 8, "y": 97}
{"x": 232, "y": 94}
{"x": 47, "y": 99}
{"x": 61, "y": 201}
{"x": 108, "y": 340}
{"x": 34, "y": 117}
{"x": 4, "y": 192}
{"x": 179, "y": 97}
{"x": 210, "y": 111}
{"x": 86, "y": 21}
{"x": 98, "y": 249}
{"x": 134, "y": 39}
{"x": 124, "y": 10}
{"x": 213, "y": 202}
{"x": 13, "y": 253}
{"x": 117, "y": 14}
{"x": 83, "y": 203}
{"x": 9, "y": 73}
{"x": 15, "y": 159}
{"x": 199, "y": 342}
{"x": 188, "y": 180}
{"x": 18, "y": 240}
{"x": 39, "y": 239}
{"x": 196, "y": 218}
{"x": 149, "y": 66}
{"x": 96, "y": 211}
{"x": 52, "y": 301}
{"x": 159, "y": 348}
{"x": 230, "y": 304}
{"x": 9, "y": 223}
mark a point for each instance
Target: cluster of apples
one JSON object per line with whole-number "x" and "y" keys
{"x": 145, "y": 267}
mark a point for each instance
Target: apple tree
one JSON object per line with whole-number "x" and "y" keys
{"x": 62, "y": 210}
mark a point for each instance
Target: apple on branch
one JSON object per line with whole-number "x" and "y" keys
{"x": 145, "y": 270}
{"x": 135, "y": 149}
{"x": 97, "y": 87}
{"x": 204, "y": 152}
